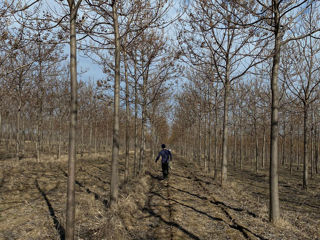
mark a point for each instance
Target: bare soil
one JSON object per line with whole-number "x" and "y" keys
{"x": 189, "y": 204}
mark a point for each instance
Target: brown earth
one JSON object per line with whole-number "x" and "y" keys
{"x": 188, "y": 205}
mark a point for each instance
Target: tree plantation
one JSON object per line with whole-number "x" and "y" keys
{"x": 90, "y": 90}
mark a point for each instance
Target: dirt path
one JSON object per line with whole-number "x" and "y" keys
{"x": 190, "y": 205}
{"x": 183, "y": 208}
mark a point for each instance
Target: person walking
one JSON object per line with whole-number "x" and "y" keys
{"x": 165, "y": 158}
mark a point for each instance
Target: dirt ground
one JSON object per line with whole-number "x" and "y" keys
{"x": 188, "y": 205}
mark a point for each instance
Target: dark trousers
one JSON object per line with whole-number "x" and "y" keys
{"x": 165, "y": 169}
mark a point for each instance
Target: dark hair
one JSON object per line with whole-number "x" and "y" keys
{"x": 163, "y": 146}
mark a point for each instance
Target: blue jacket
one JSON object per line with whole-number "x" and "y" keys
{"x": 165, "y": 156}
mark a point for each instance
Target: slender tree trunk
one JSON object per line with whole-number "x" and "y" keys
{"x": 70, "y": 215}
{"x": 291, "y": 147}
{"x": 142, "y": 138}
{"x": 82, "y": 138}
{"x": 1, "y": 132}
{"x": 264, "y": 148}
{"x": 274, "y": 208}
{"x": 18, "y": 140}
{"x": 199, "y": 139}
{"x": 234, "y": 145}
{"x": 205, "y": 144}
{"x": 216, "y": 142}
{"x": 141, "y": 150}
{"x": 153, "y": 136}
{"x": 209, "y": 141}
{"x": 59, "y": 141}
{"x": 50, "y": 135}
{"x": 241, "y": 141}
{"x": 126, "y": 173}
{"x": 224, "y": 161}
{"x": 283, "y": 144}
{"x": 95, "y": 138}
{"x": 135, "y": 120}
{"x": 317, "y": 149}
{"x": 312, "y": 146}
{"x": 90, "y": 136}
{"x": 38, "y": 142}
{"x": 116, "y": 139}
{"x": 22, "y": 149}
{"x": 298, "y": 151}
{"x": 305, "y": 147}
{"x": 256, "y": 149}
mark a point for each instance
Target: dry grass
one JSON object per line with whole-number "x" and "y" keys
{"x": 189, "y": 205}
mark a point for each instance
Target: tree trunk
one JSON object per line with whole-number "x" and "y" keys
{"x": 264, "y": 148}
{"x": 224, "y": 161}
{"x": 18, "y": 130}
{"x": 215, "y": 143}
{"x": 70, "y": 215}
{"x": 291, "y": 147}
{"x": 142, "y": 137}
{"x": 234, "y": 145}
{"x": 22, "y": 146}
{"x": 1, "y": 133}
{"x": 209, "y": 141}
{"x": 256, "y": 148}
{"x": 95, "y": 138}
{"x": 199, "y": 138}
{"x": 126, "y": 173}
{"x": 59, "y": 141}
{"x": 305, "y": 146}
{"x": 317, "y": 149}
{"x": 82, "y": 138}
{"x": 135, "y": 120}
{"x": 298, "y": 151}
{"x": 38, "y": 142}
{"x": 284, "y": 143}
{"x": 116, "y": 139}
{"x": 90, "y": 136}
{"x": 312, "y": 146}
{"x": 241, "y": 141}
{"x": 274, "y": 208}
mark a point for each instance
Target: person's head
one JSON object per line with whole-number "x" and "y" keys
{"x": 163, "y": 146}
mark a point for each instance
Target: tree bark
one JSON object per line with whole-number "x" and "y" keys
{"x": 305, "y": 146}
{"x": 274, "y": 208}
{"x": 291, "y": 148}
{"x": 116, "y": 139}
{"x": 216, "y": 142}
{"x": 1, "y": 133}
{"x": 70, "y": 215}
{"x": 59, "y": 138}
{"x": 264, "y": 148}
{"x": 317, "y": 149}
{"x": 18, "y": 140}
{"x": 256, "y": 148}
{"x": 224, "y": 161}
{"x": 135, "y": 120}
{"x": 241, "y": 141}
{"x": 126, "y": 173}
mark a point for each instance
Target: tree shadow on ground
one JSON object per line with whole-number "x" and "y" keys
{"x": 94, "y": 176}
{"x": 149, "y": 208}
{"x": 55, "y": 220}
{"x": 223, "y": 206}
{"x": 82, "y": 186}
{"x": 178, "y": 175}
{"x": 153, "y": 176}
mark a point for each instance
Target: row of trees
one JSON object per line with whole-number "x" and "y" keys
{"x": 231, "y": 43}
{"x": 124, "y": 39}
{"x": 226, "y": 51}
{"x": 197, "y": 129}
